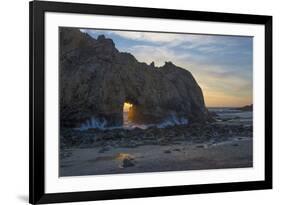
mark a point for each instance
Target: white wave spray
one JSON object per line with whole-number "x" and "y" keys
{"x": 96, "y": 123}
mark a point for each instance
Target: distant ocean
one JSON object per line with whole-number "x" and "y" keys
{"x": 233, "y": 115}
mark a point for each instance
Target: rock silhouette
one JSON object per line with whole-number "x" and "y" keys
{"x": 96, "y": 80}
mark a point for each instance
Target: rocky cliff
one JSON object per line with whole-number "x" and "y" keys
{"x": 96, "y": 79}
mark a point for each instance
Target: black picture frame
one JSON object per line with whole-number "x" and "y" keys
{"x": 37, "y": 9}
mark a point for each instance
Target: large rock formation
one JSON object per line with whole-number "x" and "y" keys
{"x": 96, "y": 79}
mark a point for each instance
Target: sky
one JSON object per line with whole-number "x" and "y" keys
{"x": 221, "y": 65}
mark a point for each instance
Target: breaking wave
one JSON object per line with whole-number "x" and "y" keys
{"x": 95, "y": 123}
{"x": 172, "y": 121}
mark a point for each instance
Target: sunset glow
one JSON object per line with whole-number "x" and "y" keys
{"x": 127, "y": 107}
{"x": 221, "y": 65}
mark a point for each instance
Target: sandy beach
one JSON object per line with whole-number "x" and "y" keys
{"x": 155, "y": 158}
{"x": 224, "y": 143}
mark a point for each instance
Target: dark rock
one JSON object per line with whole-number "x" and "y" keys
{"x": 167, "y": 151}
{"x": 128, "y": 163}
{"x": 104, "y": 149}
{"x": 246, "y": 108}
{"x": 213, "y": 114}
{"x": 152, "y": 65}
{"x": 96, "y": 79}
{"x": 129, "y": 144}
{"x": 101, "y": 38}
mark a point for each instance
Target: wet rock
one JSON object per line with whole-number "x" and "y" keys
{"x": 127, "y": 162}
{"x": 104, "y": 149}
{"x": 129, "y": 144}
{"x": 199, "y": 134}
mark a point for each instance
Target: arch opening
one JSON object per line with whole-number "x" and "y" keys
{"x": 127, "y": 114}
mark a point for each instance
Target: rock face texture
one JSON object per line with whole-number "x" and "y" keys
{"x": 96, "y": 80}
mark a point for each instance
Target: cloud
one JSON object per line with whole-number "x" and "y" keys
{"x": 150, "y": 37}
{"x": 169, "y": 39}
{"x": 201, "y": 42}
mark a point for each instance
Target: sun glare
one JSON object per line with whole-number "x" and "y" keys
{"x": 127, "y": 107}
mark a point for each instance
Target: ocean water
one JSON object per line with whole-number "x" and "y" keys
{"x": 233, "y": 115}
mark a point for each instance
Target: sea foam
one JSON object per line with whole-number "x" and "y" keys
{"x": 96, "y": 123}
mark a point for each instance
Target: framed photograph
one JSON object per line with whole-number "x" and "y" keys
{"x": 130, "y": 102}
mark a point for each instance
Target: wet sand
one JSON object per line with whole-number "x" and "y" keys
{"x": 182, "y": 155}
